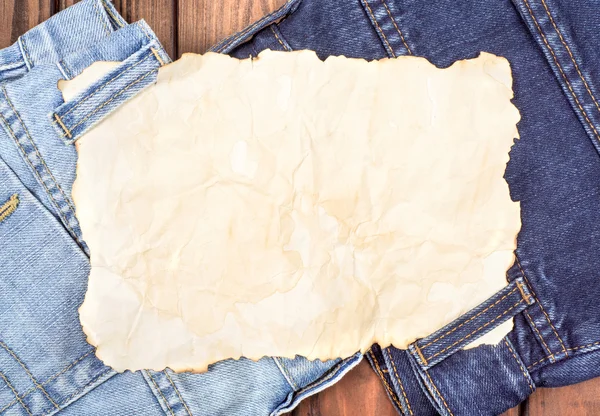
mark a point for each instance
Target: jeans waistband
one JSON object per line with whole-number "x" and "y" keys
{"x": 60, "y": 36}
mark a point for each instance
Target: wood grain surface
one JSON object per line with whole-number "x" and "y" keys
{"x": 193, "y": 26}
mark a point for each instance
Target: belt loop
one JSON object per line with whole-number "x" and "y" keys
{"x": 501, "y": 307}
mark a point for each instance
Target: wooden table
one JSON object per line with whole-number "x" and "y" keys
{"x": 195, "y": 25}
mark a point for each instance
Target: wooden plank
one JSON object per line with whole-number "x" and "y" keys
{"x": 161, "y": 15}
{"x": 577, "y": 400}
{"x": 18, "y": 16}
{"x": 360, "y": 392}
{"x": 203, "y": 23}
{"x": 515, "y": 411}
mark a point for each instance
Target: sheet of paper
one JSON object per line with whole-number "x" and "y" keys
{"x": 285, "y": 205}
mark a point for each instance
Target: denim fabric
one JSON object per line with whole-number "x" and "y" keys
{"x": 46, "y": 365}
{"x": 554, "y": 170}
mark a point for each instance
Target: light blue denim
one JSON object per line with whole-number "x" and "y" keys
{"x": 46, "y": 365}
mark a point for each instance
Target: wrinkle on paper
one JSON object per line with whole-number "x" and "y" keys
{"x": 285, "y": 205}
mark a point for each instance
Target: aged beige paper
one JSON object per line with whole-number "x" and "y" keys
{"x": 285, "y": 205}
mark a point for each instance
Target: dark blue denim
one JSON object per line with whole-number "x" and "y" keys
{"x": 554, "y": 171}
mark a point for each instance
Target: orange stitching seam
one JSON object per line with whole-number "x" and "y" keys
{"x": 13, "y": 355}
{"x": 117, "y": 21}
{"x": 392, "y": 394}
{"x": 520, "y": 365}
{"x": 470, "y": 319}
{"x": 286, "y": 374}
{"x": 28, "y": 61}
{"x": 400, "y": 383}
{"x": 478, "y": 329}
{"x": 279, "y": 39}
{"x": 438, "y": 392}
{"x": 420, "y": 354}
{"x": 525, "y": 296}
{"x": 101, "y": 19}
{"x": 570, "y": 54}
{"x": 9, "y": 207}
{"x": 63, "y": 126}
{"x": 541, "y": 307}
{"x": 80, "y": 390}
{"x": 177, "y": 391}
{"x": 16, "y": 394}
{"x": 47, "y": 381}
{"x": 396, "y": 26}
{"x": 539, "y": 335}
{"x": 161, "y": 393}
{"x": 157, "y": 56}
{"x": 529, "y": 367}
{"x": 561, "y": 70}
{"x": 569, "y": 349}
{"x": 378, "y": 27}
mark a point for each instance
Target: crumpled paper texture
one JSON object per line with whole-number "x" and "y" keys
{"x": 286, "y": 205}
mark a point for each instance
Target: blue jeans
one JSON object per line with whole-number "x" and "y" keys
{"x": 554, "y": 170}
{"x": 46, "y": 365}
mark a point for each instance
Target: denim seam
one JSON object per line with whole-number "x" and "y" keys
{"x": 115, "y": 96}
{"x": 160, "y": 392}
{"x": 25, "y": 53}
{"x": 144, "y": 31}
{"x": 37, "y": 152}
{"x": 477, "y": 330}
{"x": 14, "y": 356}
{"x": 379, "y": 30}
{"x": 48, "y": 171}
{"x": 570, "y": 54}
{"x": 399, "y": 382}
{"x": 283, "y": 45}
{"x": 62, "y": 70}
{"x": 76, "y": 392}
{"x": 9, "y": 207}
{"x": 315, "y": 387}
{"x": 28, "y": 392}
{"x": 593, "y": 344}
{"x": 526, "y": 297}
{"x": 585, "y": 115}
{"x": 12, "y": 65}
{"x": 520, "y": 365}
{"x": 249, "y": 28}
{"x": 437, "y": 391}
{"x": 177, "y": 391}
{"x": 396, "y": 26}
{"x": 157, "y": 56}
{"x": 470, "y": 319}
{"x": 286, "y": 374}
{"x": 96, "y": 7}
{"x": 62, "y": 125}
{"x": 541, "y": 307}
{"x": 385, "y": 383}
{"x": 535, "y": 328}
{"x": 421, "y": 356}
{"x": 104, "y": 84}
{"x": 16, "y": 394}
{"x": 107, "y": 8}
{"x": 60, "y": 213}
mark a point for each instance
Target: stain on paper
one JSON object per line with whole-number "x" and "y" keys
{"x": 289, "y": 205}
